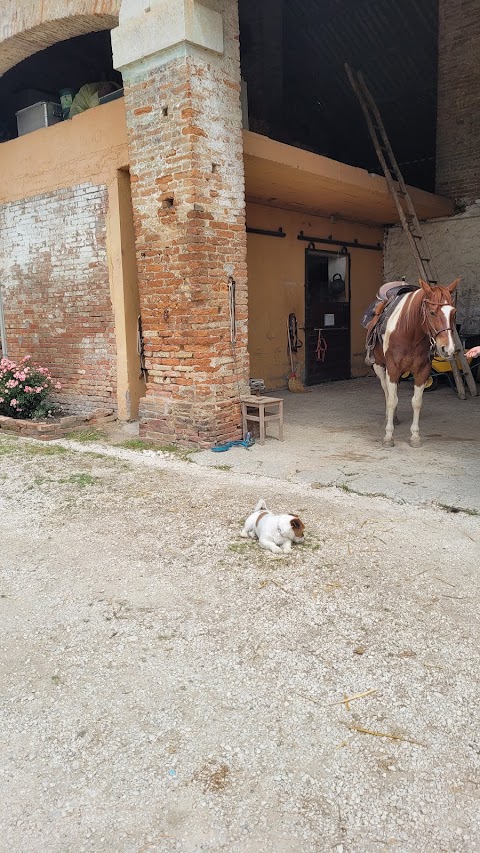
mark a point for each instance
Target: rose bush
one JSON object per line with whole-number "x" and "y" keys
{"x": 25, "y": 389}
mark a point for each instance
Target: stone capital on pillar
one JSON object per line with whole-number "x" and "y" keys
{"x": 148, "y": 28}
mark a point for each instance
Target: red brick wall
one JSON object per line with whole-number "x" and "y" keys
{"x": 53, "y": 264}
{"x": 458, "y": 119}
{"x": 184, "y": 122}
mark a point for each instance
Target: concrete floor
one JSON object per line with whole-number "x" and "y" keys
{"x": 333, "y": 436}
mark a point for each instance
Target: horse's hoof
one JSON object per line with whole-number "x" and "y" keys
{"x": 415, "y": 441}
{"x": 388, "y": 442}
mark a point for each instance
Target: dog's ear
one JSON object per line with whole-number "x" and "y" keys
{"x": 297, "y": 525}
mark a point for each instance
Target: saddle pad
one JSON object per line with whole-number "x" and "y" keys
{"x": 368, "y": 314}
{"x": 375, "y": 335}
{"x": 393, "y": 293}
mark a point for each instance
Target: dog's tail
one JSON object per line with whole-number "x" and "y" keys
{"x": 261, "y": 505}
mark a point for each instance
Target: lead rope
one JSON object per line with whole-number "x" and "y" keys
{"x": 141, "y": 349}
{"x": 232, "y": 311}
{"x": 322, "y": 347}
{"x": 247, "y": 441}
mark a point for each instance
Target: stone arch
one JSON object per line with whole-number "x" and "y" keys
{"x": 29, "y": 26}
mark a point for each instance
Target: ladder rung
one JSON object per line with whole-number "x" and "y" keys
{"x": 393, "y": 174}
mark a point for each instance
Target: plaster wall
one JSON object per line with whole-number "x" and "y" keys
{"x": 56, "y": 296}
{"x": 47, "y": 178}
{"x": 89, "y": 147}
{"x": 455, "y": 248}
{"x": 276, "y": 286}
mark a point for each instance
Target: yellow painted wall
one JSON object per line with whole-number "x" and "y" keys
{"x": 125, "y": 297}
{"x": 92, "y": 147}
{"x": 276, "y": 279}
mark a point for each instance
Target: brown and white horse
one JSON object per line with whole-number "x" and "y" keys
{"x": 422, "y": 320}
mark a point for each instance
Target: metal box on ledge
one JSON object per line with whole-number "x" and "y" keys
{"x": 43, "y": 114}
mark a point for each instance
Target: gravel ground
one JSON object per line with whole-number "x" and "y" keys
{"x": 168, "y": 686}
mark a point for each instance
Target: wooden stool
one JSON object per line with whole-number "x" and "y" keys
{"x": 260, "y": 404}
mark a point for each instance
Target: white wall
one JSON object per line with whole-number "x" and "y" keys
{"x": 455, "y": 249}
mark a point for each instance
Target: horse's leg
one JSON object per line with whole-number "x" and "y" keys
{"x": 416, "y": 406}
{"x": 380, "y": 371}
{"x": 392, "y": 403}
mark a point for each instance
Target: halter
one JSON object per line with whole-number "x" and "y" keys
{"x": 432, "y": 332}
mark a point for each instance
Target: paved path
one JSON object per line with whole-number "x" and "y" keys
{"x": 333, "y": 436}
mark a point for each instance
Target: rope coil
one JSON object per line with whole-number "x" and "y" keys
{"x": 322, "y": 347}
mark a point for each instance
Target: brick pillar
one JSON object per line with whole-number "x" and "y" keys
{"x": 458, "y": 107}
{"x": 181, "y": 74}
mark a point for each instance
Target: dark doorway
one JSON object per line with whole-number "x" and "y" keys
{"x": 327, "y": 316}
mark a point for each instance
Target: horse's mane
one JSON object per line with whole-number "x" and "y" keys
{"x": 412, "y": 313}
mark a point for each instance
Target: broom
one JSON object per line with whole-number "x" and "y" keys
{"x": 294, "y": 383}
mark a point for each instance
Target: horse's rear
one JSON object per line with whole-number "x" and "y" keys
{"x": 420, "y": 320}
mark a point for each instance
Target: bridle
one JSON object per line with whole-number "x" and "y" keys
{"x": 431, "y": 331}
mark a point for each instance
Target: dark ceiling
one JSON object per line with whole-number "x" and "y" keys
{"x": 293, "y": 54}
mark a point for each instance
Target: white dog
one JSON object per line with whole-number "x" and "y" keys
{"x": 276, "y": 533}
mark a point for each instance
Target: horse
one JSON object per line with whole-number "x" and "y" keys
{"x": 419, "y": 323}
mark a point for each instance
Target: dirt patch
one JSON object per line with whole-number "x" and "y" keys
{"x": 212, "y": 776}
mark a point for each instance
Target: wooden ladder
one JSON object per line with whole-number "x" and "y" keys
{"x": 407, "y": 214}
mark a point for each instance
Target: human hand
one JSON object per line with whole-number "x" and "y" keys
{"x": 472, "y": 353}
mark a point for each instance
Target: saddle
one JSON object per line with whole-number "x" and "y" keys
{"x": 378, "y": 312}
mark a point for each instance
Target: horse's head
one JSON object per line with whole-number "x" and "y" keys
{"x": 439, "y": 316}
